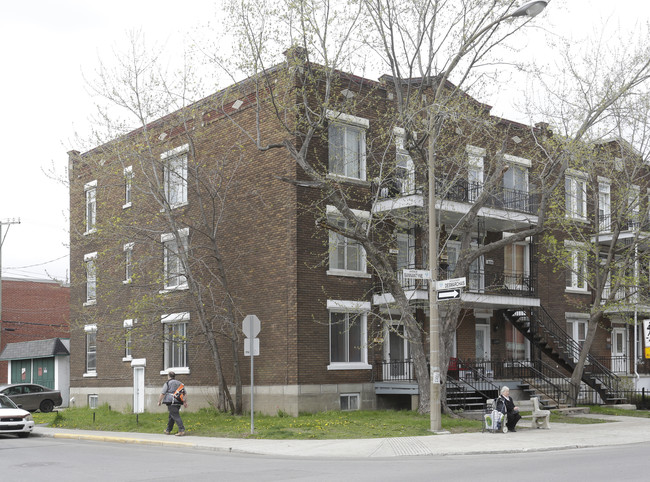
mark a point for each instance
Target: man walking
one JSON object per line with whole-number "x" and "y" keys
{"x": 173, "y": 406}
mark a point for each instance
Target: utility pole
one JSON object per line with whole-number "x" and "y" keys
{"x": 8, "y": 222}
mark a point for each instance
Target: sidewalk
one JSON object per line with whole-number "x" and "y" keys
{"x": 620, "y": 431}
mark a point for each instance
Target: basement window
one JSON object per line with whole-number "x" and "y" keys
{"x": 349, "y": 402}
{"x": 93, "y": 401}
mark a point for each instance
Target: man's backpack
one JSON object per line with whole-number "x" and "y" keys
{"x": 179, "y": 395}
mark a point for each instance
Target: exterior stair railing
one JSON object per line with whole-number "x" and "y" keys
{"x": 544, "y": 332}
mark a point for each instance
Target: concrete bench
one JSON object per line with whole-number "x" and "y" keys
{"x": 541, "y": 418}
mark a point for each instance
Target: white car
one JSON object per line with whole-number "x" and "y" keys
{"x": 13, "y": 419}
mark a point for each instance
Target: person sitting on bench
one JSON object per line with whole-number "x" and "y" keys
{"x": 506, "y": 405}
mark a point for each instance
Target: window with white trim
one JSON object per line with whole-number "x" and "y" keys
{"x": 346, "y": 256}
{"x": 576, "y": 324}
{"x": 128, "y": 187}
{"x": 347, "y": 145}
{"x": 175, "y": 175}
{"x": 91, "y": 350}
{"x": 128, "y": 262}
{"x": 348, "y": 334}
{"x": 173, "y": 267}
{"x": 128, "y": 339}
{"x": 515, "y": 183}
{"x": 475, "y": 158}
{"x": 404, "y": 166}
{"x": 634, "y": 207}
{"x": 90, "y": 265}
{"x": 575, "y": 194}
{"x": 604, "y": 205}
{"x": 175, "y": 342}
{"x": 90, "y": 192}
{"x": 349, "y": 401}
{"x": 576, "y": 273}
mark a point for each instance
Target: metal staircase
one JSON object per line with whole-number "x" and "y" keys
{"x": 547, "y": 335}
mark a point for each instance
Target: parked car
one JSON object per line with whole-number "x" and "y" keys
{"x": 13, "y": 419}
{"x": 32, "y": 397}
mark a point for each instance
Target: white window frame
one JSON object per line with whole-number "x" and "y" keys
{"x": 90, "y": 267}
{"x": 349, "y": 124}
{"x": 90, "y": 332}
{"x": 524, "y": 165}
{"x": 175, "y": 171}
{"x": 576, "y": 256}
{"x": 169, "y": 322}
{"x": 128, "y": 263}
{"x": 128, "y": 339}
{"x": 526, "y": 271}
{"x": 359, "y": 310}
{"x": 604, "y": 204}
{"x": 634, "y": 207}
{"x": 128, "y": 187}
{"x": 404, "y": 162}
{"x": 575, "y": 194}
{"x": 179, "y": 280}
{"x": 338, "y": 242}
{"x": 350, "y": 397}
{"x": 475, "y": 169}
{"x": 574, "y": 321}
{"x": 90, "y": 218}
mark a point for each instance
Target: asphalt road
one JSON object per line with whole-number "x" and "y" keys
{"x": 37, "y": 458}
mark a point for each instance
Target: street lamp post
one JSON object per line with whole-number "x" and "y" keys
{"x": 529, "y": 9}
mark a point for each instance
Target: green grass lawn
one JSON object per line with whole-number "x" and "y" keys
{"x": 323, "y": 425}
{"x": 208, "y": 422}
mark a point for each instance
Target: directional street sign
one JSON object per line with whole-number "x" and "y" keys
{"x": 416, "y": 273}
{"x": 448, "y": 295}
{"x": 449, "y": 284}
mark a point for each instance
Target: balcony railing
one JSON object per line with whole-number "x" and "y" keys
{"x": 465, "y": 192}
{"x": 607, "y": 223}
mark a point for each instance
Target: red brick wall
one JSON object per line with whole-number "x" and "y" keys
{"x": 33, "y": 310}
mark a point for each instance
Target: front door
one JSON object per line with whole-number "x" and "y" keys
{"x": 619, "y": 350}
{"x": 21, "y": 371}
{"x": 399, "y": 367}
{"x": 44, "y": 372}
{"x": 482, "y": 342}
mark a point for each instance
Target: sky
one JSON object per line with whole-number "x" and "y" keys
{"x": 48, "y": 46}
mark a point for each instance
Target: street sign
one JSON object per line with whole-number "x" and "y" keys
{"x": 247, "y": 346}
{"x": 449, "y": 284}
{"x": 417, "y": 273}
{"x": 646, "y": 329}
{"x": 448, "y": 295}
{"x": 251, "y": 326}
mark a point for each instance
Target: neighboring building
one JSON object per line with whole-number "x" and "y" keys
{"x": 320, "y": 347}
{"x": 35, "y": 332}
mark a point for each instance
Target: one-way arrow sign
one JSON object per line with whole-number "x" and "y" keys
{"x": 448, "y": 295}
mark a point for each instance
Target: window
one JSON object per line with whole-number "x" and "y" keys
{"x": 404, "y": 167}
{"x": 128, "y": 262}
{"x": 348, "y": 346}
{"x": 406, "y": 256}
{"x": 175, "y": 342}
{"x": 175, "y": 176}
{"x": 93, "y": 401}
{"x": 575, "y": 190}
{"x": 174, "y": 269}
{"x": 515, "y": 183}
{"x": 349, "y": 401}
{"x": 128, "y": 187}
{"x": 604, "y": 205}
{"x": 576, "y": 274}
{"x": 633, "y": 207}
{"x": 90, "y": 262}
{"x": 516, "y": 266}
{"x": 346, "y": 256}
{"x": 128, "y": 340}
{"x": 347, "y": 145}
{"x": 577, "y": 328}
{"x": 90, "y": 191}
{"x": 91, "y": 350}
{"x": 475, "y": 156}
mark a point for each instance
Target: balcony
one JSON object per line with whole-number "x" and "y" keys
{"x": 505, "y": 209}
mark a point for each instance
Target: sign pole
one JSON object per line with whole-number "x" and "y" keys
{"x": 252, "y": 387}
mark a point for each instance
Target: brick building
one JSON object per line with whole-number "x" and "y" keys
{"x": 145, "y": 207}
{"x": 34, "y": 310}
